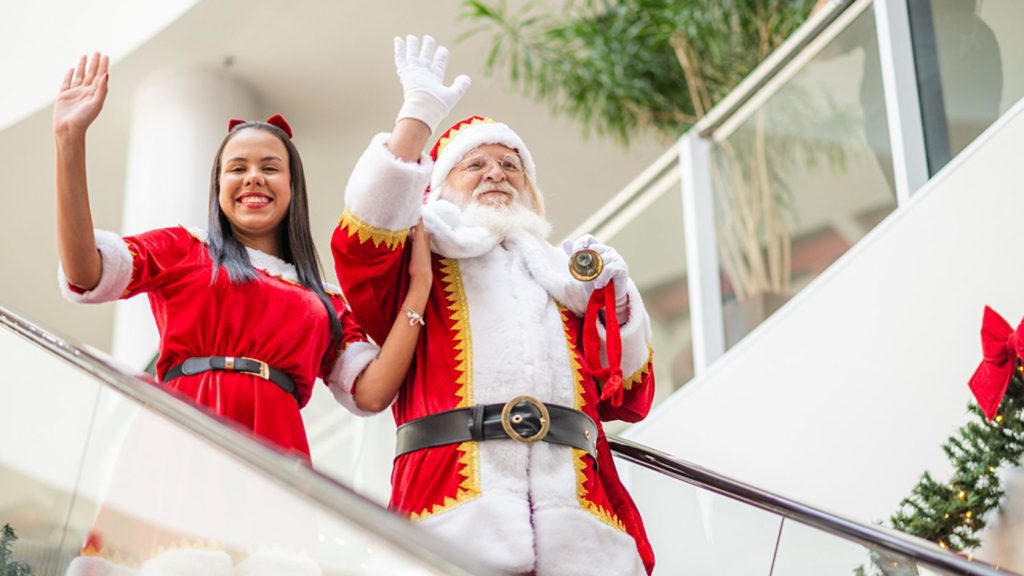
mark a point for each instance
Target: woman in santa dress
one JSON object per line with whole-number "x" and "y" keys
{"x": 246, "y": 324}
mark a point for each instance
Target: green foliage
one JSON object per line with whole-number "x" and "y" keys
{"x": 8, "y": 566}
{"x": 953, "y": 513}
{"x": 627, "y": 65}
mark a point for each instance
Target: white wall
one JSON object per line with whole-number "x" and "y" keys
{"x": 843, "y": 398}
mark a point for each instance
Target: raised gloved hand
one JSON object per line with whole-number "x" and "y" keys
{"x": 614, "y": 271}
{"x": 421, "y": 69}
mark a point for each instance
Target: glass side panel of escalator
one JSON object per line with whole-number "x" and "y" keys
{"x": 84, "y": 467}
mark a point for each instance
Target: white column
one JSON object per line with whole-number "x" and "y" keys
{"x": 703, "y": 280}
{"x": 178, "y": 121}
{"x": 902, "y": 104}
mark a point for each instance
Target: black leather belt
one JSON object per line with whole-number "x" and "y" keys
{"x": 199, "y": 364}
{"x": 523, "y": 419}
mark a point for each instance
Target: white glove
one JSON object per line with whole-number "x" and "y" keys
{"x": 614, "y": 271}
{"x": 421, "y": 71}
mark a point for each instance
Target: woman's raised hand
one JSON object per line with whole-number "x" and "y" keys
{"x": 81, "y": 96}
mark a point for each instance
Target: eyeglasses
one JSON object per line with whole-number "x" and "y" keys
{"x": 511, "y": 164}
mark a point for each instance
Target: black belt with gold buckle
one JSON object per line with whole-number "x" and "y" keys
{"x": 200, "y": 364}
{"x": 523, "y": 419}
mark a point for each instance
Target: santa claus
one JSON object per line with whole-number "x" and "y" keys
{"x": 500, "y": 444}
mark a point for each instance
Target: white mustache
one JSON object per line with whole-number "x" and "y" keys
{"x": 486, "y": 187}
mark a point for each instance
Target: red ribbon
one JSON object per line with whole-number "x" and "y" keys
{"x": 275, "y": 120}
{"x": 1001, "y": 346}
{"x": 604, "y": 298}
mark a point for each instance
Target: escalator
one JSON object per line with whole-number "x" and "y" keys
{"x": 87, "y": 447}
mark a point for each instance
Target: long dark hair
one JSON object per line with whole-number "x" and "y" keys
{"x": 297, "y": 245}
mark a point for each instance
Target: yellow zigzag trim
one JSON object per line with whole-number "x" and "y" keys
{"x": 354, "y": 226}
{"x": 600, "y": 512}
{"x": 638, "y": 376}
{"x": 456, "y": 296}
{"x": 453, "y": 133}
{"x": 469, "y": 453}
{"x": 574, "y": 364}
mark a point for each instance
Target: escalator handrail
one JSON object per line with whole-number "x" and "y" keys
{"x": 288, "y": 471}
{"x": 873, "y": 537}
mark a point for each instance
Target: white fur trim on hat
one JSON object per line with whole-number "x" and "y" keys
{"x": 471, "y": 136}
{"x": 116, "y": 273}
{"x": 356, "y": 357}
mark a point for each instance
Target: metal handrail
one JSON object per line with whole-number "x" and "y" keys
{"x": 873, "y": 537}
{"x": 287, "y": 471}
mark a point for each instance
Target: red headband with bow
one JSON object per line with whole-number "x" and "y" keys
{"x": 1001, "y": 346}
{"x": 275, "y": 120}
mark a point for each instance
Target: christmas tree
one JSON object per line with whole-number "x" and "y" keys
{"x": 8, "y": 566}
{"x": 953, "y": 513}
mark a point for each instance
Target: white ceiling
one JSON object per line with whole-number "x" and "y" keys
{"x": 328, "y": 67}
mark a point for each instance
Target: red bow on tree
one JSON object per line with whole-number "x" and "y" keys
{"x": 275, "y": 120}
{"x": 1001, "y": 346}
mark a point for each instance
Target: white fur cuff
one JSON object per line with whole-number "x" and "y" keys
{"x": 97, "y": 566}
{"x": 277, "y": 563}
{"x": 384, "y": 191}
{"x": 115, "y": 276}
{"x": 346, "y": 369}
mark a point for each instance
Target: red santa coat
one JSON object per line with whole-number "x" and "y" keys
{"x": 503, "y": 319}
{"x": 273, "y": 318}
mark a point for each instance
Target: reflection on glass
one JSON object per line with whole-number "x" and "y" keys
{"x": 969, "y": 58}
{"x": 803, "y": 176}
{"x": 39, "y": 460}
{"x": 653, "y": 246}
{"x": 806, "y": 551}
{"x": 90, "y": 479}
{"x": 695, "y": 531}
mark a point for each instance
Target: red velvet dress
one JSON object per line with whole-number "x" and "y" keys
{"x": 273, "y": 319}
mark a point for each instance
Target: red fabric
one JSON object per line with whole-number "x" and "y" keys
{"x": 375, "y": 279}
{"x": 275, "y": 120}
{"x": 1001, "y": 346}
{"x": 270, "y": 319}
{"x": 611, "y": 375}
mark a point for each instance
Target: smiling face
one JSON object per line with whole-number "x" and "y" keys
{"x": 255, "y": 188}
{"x": 489, "y": 175}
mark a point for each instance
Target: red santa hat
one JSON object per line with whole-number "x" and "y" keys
{"x": 467, "y": 135}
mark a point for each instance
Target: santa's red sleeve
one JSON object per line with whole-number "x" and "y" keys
{"x": 382, "y": 202}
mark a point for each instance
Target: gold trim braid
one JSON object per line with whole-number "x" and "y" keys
{"x": 602, "y": 514}
{"x": 638, "y": 376}
{"x": 469, "y": 452}
{"x": 355, "y": 227}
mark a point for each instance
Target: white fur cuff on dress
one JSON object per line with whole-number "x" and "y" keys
{"x": 348, "y": 367}
{"x": 385, "y": 191}
{"x": 115, "y": 276}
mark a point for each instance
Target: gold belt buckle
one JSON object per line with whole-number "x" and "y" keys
{"x": 264, "y": 368}
{"x": 506, "y": 421}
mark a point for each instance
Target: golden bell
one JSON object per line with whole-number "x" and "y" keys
{"x": 585, "y": 265}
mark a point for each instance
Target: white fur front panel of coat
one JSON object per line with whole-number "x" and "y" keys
{"x": 528, "y": 516}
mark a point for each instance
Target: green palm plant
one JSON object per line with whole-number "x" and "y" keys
{"x": 621, "y": 66}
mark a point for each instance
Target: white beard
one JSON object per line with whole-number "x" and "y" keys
{"x": 502, "y": 220}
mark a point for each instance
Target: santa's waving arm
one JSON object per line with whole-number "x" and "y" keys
{"x": 384, "y": 194}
